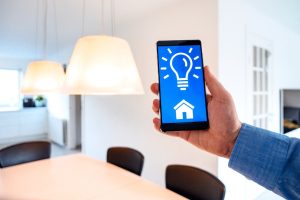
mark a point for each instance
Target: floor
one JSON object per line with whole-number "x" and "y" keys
{"x": 57, "y": 150}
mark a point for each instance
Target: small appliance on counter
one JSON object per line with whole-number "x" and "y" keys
{"x": 28, "y": 102}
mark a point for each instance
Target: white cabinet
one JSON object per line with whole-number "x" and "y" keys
{"x": 9, "y": 125}
{"x": 28, "y": 122}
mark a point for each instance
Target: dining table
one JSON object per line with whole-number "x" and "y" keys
{"x": 76, "y": 177}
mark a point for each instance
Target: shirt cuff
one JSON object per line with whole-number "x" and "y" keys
{"x": 259, "y": 155}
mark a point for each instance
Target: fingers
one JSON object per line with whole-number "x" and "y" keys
{"x": 214, "y": 86}
{"x": 208, "y": 98}
{"x": 155, "y": 106}
{"x": 154, "y": 88}
{"x": 156, "y": 123}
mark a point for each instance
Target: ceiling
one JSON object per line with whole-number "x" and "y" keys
{"x": 286, "y": 12}
{"x": 22, "y": 22}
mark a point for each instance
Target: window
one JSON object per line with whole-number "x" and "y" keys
{"x": 9, "y": 90}
{"x": 260, "y": 89}
{"x": 259, "y": 79}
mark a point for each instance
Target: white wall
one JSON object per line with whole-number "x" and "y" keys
{"x": 291, "y": 98}
{"x": 127, "y": 120}
{"x": 236, "y": 20}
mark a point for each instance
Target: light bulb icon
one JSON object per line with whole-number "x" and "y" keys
{"x": 181, "y": 64}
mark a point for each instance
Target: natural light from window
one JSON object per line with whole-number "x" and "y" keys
{"x": 9, "y": 90}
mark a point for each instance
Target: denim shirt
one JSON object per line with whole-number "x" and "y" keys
{"x": 270, "y": 159}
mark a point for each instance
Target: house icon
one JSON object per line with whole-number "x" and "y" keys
{"x": 184, "y": 108}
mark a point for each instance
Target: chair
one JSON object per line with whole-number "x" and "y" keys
{"x": 126, "y": 158}
{"x": 194, "y": 183}
{"x": 24, "y": 152}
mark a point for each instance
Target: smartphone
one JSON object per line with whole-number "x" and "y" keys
{"x": 183, "y": 104}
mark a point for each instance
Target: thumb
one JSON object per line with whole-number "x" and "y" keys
{"x": 214, "y": 86}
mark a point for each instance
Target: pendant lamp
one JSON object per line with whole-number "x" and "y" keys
{"x": 102, "y": 64}
{"x": 43, "y": 77}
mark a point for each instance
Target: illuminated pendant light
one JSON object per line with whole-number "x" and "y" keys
{"x": 102, "y": 64}
{"x": 44, "y": 76}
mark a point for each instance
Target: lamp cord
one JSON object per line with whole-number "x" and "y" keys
{"x": 56, "y": 30}
{"x": 112, "y": 13}
{"x": 36, "y": 28}
{"x": 45, "y": 29}
{"x": 83, "y": 17}
{"x": 102, "y": 17}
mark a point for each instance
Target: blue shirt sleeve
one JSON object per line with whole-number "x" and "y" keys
{"x": 270, "y": 159}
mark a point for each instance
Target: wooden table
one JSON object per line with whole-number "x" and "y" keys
{"x": 76, "y": 177}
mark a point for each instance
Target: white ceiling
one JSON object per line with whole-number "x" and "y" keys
{"x": 286, "y": 12}
{"x": 21, "y": 34}
{"x": 130, "y": 9}
{"x": 18, "y": 20}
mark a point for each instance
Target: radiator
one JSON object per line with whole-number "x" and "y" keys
{"x": 57, "y": 129}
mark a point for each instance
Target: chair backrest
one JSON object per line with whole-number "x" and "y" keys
{"x": 126, "y": 158}
{"x": 24, "y": 152}
{"x": 194, "y": 183}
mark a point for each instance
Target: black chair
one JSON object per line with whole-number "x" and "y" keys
{"x": 126, "y": 158}
{"x": 194, "y": 183}
{"x": 24, "y": 152}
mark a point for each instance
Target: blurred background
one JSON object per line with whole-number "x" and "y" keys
{"x": 251, "y": 45}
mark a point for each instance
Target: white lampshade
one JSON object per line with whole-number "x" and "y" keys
{"x": 43, "y": 77}
{"x": 102, "y": 65}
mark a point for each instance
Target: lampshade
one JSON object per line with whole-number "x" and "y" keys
{"x": 102, "y": 65}
{"x": 43, "y": 77}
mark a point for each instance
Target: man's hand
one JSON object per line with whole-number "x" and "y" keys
{"x": 224, "y": 124}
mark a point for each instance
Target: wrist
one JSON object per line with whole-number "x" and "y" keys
{"x": 233, "y": 140}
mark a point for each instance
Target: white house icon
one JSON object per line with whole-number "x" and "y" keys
{"x": 184, "y": 107}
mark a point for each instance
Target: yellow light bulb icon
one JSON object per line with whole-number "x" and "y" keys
{"x": 181, "y": 69}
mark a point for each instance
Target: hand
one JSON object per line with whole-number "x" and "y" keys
{"x": 224, "y": 124}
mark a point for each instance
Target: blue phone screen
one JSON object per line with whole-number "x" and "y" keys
{"x": 182, "y": 88}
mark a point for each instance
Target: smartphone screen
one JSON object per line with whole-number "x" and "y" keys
{"x": 181, "y": 85}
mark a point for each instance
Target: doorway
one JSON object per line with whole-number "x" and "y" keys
{"x": 74, "y": 127}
